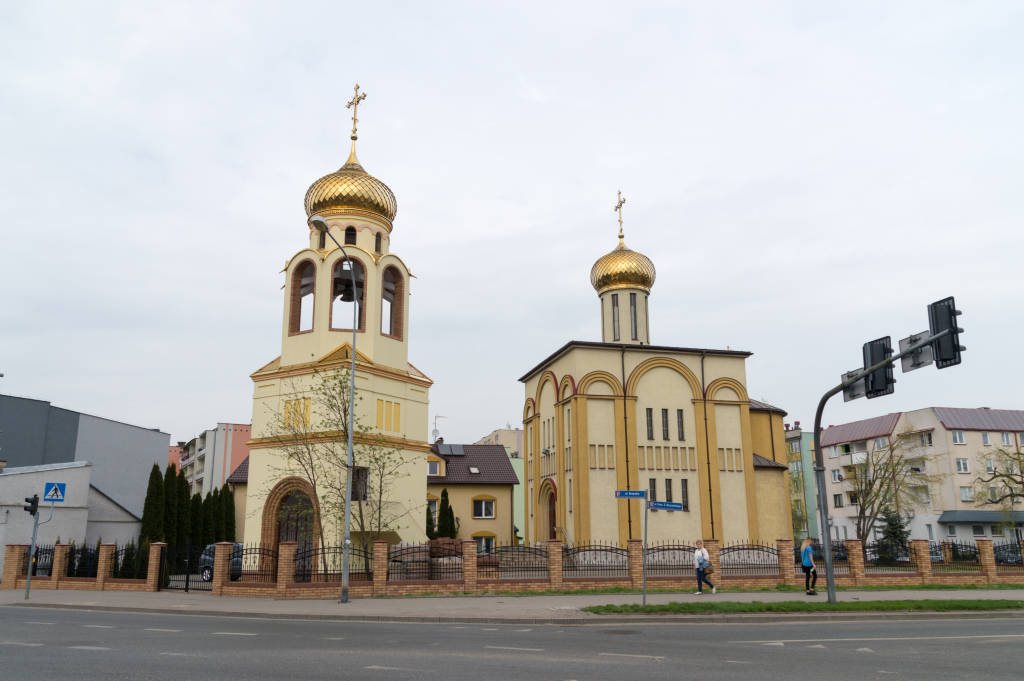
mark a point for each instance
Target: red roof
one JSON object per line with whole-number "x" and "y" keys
{"x": 860, "y": 430}
{"x": 980, "y": 419}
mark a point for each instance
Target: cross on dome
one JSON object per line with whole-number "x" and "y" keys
{"x": 618, "y": 209}
{"x": 354, "y": 105}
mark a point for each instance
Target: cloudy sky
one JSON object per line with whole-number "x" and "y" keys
{"x": 805, "y": 178}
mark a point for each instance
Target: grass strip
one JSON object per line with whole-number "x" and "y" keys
{"x": 709, "y": 607}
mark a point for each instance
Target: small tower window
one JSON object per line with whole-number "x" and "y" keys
{"x": 323, "y": 240}
{"x": 376, "y": 243}
{"x": 350, "y": 236}
{"x": 344, "y": 297}
{"x": 615, "y": 316}
{"x": 392, "y": 299}
{"x": 632, "y": 314}
{"x": 300, "y": 314}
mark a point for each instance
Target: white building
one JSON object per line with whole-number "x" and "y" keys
{"x": 209, "y": 459}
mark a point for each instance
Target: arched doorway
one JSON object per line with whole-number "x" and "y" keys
{"x": 296, "y": 521}
{"x": 290, "y": 514}
{"x": 551, "y": 517}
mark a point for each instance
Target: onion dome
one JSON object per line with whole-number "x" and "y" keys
{"x": 351, "y": 188}
{"x": 622, "y": 268}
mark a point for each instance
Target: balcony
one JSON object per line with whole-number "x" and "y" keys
{"x": 199, "y": 475}
{"x": 201, "y": 453}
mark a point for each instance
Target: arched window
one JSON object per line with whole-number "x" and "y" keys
{"x": 323, "y": 240}
{"x": 376, "y": 243}
{"x": 300, "y": 313}
{"x": 343, "y": 297}
{"x": 392, "y": 303}
{"x": 350, "y": 236}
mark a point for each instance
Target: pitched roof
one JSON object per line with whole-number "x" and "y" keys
{"x": 761, "y": 462}
{"x": 241, "y": 474}
{"x": 764, "y": 406}
{"x": 490, "y": 460}
{"x": 980, "y": 419}
{"x": 860, "y": 430}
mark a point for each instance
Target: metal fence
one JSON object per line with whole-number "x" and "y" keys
{"x": 513, "y": 562}
{"x": 840, "y": 557}
{"x": 888, "y": 557}
{"x": 42, "y": 565}
{"x": 188, "y": 567}
{"x": 323, "y": 564}
{"x": 131, "y": 562}
{"x": 954, "y": 556}
{"x": 1008, "y": 556}
{"x": 432, "y": 561}
{"x": 670, "y": 559}
{"x": 595, "y": 560}
{"x": 83, "y": 561}
{"x": 749, "y": 559}
{"x": 253, "y": 564}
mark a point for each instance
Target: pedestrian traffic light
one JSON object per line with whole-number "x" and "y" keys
{"x": 879, "y": 382}
{"x": 33, "y": 506}
{"x": 942, "y": 316}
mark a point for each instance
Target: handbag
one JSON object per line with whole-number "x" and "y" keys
{"x": 709, "y": 569}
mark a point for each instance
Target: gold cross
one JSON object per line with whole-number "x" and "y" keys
{"x": 618, "y": 209}
{"x": 354, "y": 105}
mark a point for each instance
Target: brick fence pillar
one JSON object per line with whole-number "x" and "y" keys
{"x": 787, "y": 568}
{"x": 920, "y": 549}
{"x": 221, "y": 566}
{"x": 14, "y": 555}
{"x": 987, "y": 559}
{"x": 60, "y": 564}
{"x": 380, "y": 567}
{"x": 286, "y": 566}
{"x": 947, "y": 552}
{"x": 714, "y": 555}
{"x": 469, "y": 551}
{"x": 555, "y": 564}
{"x": 156, "y": 556}
{"x": 103, "y": 561}
{"x": 855, "y": 556}
{"x": 635, "y": 557}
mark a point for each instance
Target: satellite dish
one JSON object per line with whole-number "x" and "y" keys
{"x": 435, "y": 433}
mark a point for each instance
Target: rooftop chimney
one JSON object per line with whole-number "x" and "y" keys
{"x": 440, "y": 441}
{"x": 786, "y": 425}
{"x": 797, "y": 424}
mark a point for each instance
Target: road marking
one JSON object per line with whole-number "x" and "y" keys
{"x": 489, "y": 630}
{"x": 334, "y": 639}
{"x": 40, "y": 622}
{"x": 887, "y": 638}
{"x": 864, "y": 650}
{"x": 522, "y": 630}
{"x": 169, "y": 631}
{"x": 738, "y": 662}
{"x": 18, "y": 643}
{"x": 532, "y": 650}
{"x": 391, "y": 669}
{"x": 179, "y": 654}
{"x": 773, "y": 644}
{"x": 98, "y": 626}
{"x": 817, "y": 646}
{"x": 881, "y": 671}
{"x": 232, "y": 633}
{"x": 650, "y": 657}
{"x": 87, "y": 648}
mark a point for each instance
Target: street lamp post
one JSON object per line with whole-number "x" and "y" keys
{"x": 321, "y": 226}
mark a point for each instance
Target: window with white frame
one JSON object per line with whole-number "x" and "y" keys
{"x": 433, "y": 468}
{"x": 993, "y": 494}
{"x": 997, "y": 530}
{"x": 1007, "y": 439}
{"x": 837, "y": 500}
{"x": 963, "y": 466}
{"x": 958, "y": 437}
{"x": 854, "y": 499}
{"x": 794, "y": 446}
{"x": 835, "y": 475}
{"x": 978, "y": 530}
{"x": 796, "y": 466}
{"x": 483, "y": 508}
{"x": 966, "y": 494}
{"x": 880, "y": 443}
{"x": 990, "y": 466}
{"x": 833, "y": 452}
{"x": 984, "y": 438}
{"x": 485, "y": 544}
{"x": 926, "y": 439}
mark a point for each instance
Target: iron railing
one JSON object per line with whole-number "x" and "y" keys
{"x": 513, "y": 562}
{"x": 1008, "y": 556}
{"x": 131, "y": 562}
{"x": 323, "y": 564}
{"x": 670, "y": 559}
{"x": 840, "y": 557}
{"x": 954, "y": 556}
{"x": 886, "y": 556}
{"x": 82, "y": 561}
{"x": 434, "y": 561}
{"x": 42, "y": 566}
{"x": 253, "y": 564}
{"x": 745, "y": 558}
{"x": 595, "y": 559}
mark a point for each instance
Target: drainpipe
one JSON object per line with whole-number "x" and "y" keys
{"x": 707, "y": 442}
{"x": 625, "y": 432}
{"x": 771, "y": 429}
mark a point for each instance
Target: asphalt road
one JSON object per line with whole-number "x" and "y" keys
{"x": 49, "y": 644}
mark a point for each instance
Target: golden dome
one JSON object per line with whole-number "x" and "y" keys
{"x": 351, "y": 187}
{"x": 622, "y": 268}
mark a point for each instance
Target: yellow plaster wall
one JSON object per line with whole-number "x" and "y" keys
{"x": 461, "y": 499}
{"x": 603, "y": 507}
{"x": 729, "y": 433}
{"x": 773, "y": 505}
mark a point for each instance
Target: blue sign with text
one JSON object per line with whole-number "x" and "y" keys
{"x": 630, "y": 494}
{"x": 664, "y": 505}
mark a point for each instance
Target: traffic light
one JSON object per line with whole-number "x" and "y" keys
{"x": 880, "y": 382}
{"x": 33, "y": 506}
{"x": 941, "y": 316}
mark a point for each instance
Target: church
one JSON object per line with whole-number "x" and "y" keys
{"x": 316, "y": 340}
{"x": 675, "y": 422}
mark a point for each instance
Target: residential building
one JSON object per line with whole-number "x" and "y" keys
{"x": 174, "y": 455}
{"x": 507, "y": 437}
{"x": 958, "y": 443}
{"x": 481, "y": 486}
{"x": 238, "y": 483}
{"x": 802, "y": 490}
{"x": 512, "y": 440}
{"x": 210, "y": 458}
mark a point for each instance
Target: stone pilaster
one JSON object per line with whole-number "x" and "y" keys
{"x": 380, "y": 567}
{"x": 469, "y": 566}
{"x": 103, "y": 560}
{"x": 555, "y": 564}
{"x": 713, "y": 547}
{"x": 286, "y": 566}
{"x": 635, "y": 553}
{"x": 221, "y": 566}
{"x": 60, "y": 564}
{"x": 787, "y": 566}
{"x": 987, "y": 558}
{"x": 921, "y": 551}
{"x": 855, "y": 555}
{"x": 14, "y": 561}
{"x": 156, "y": 558}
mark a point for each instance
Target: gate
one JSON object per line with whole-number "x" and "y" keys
{"x": 187, "y": 568}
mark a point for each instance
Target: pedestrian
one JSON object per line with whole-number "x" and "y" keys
{"x": 702, "y": 563}
{"x": 807, "y": 561}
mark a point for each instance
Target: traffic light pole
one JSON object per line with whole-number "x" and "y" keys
{"x": 32, "y": 548}
{"x": 819, "y": 459}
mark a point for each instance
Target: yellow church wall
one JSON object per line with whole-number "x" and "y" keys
{"x": 602, "y": 505}
{"x": 461, "y": 499}
{"x": 773, "y": 505}
{"x": 729, "y": 435}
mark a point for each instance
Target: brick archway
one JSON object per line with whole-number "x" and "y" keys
{"x": 271, "y": 527}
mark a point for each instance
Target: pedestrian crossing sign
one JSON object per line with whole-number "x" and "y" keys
{"x": 54, "y": 491}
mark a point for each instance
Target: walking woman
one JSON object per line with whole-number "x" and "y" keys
{"x": 702, "y": 562}
{"x": 807, "y": 560}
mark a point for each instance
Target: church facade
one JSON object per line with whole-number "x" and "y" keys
{"x": 316, "y": 339}
{"x": 623, "y": 414}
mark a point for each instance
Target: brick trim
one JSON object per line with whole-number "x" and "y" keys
{"x": 362, "y": 306}
{"x": 295, "y": 297}
{"x": 271, "y": 525}
{"x": 398, "y": 308}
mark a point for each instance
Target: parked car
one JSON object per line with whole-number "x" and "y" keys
{"x": 1007, "y": 554}
{"x": 206, "y": 562}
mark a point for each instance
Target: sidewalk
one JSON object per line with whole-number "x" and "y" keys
{"x": 535, "y": 609}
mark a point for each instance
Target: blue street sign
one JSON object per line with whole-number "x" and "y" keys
{"x": 665, "y": 505}
{"x": 54, "y": 491}
{"x": 630, "y": 494}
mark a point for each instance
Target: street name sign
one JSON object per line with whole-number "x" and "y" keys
{"x": 630, "y": 494}
{"x": 664, "y": 505}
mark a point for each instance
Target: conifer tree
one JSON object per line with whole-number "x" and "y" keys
{"x": 170, "y": 504}
{"x": 209, "y": 536}
{"x": 227, "y": 499}
{"x": 153, "y": 509}
{"x": 196, "y": 516}
{"x": 431, "y": 533}
{"x": 184, "y": 510}
{"x": 445, "y": 517}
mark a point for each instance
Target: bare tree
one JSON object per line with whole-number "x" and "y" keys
{"x": 899, "y": 475}
{"x": 1002, "y": 484}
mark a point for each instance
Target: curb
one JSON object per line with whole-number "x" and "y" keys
{"x": 593, "y": 620}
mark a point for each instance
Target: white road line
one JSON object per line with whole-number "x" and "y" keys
{"x": 97, "y": 626}
{"x": 522, "y": 630}
{"x": 232, "y": 633}
{"x": 87, "y": 648}
{"x": 40, "y": 622}
{"x": 169, "y": 631}
{"x": 19, "y": 643}
{"x": 532, "y": 650}
{"x": 334, "y": 639}
{"x": 817, "y": 646}
{"x": 864, "y": 650}
{"x": 179, "y": 654}
{"x": 773, "y": 644}
{"x": 738, "y": 662}
{"x": 649, "y": 657}
{"x": 886, "y": 638}
{"x": 488, "y": 629}
{"x": 391, "y": 669}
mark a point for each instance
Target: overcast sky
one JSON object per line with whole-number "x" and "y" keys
{"x": 805, "y": 178}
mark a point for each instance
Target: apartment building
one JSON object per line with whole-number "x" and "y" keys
{"x": 956, "y": 443}
{"x": 209, "y": 459}
{"x": 800, "y": 460}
